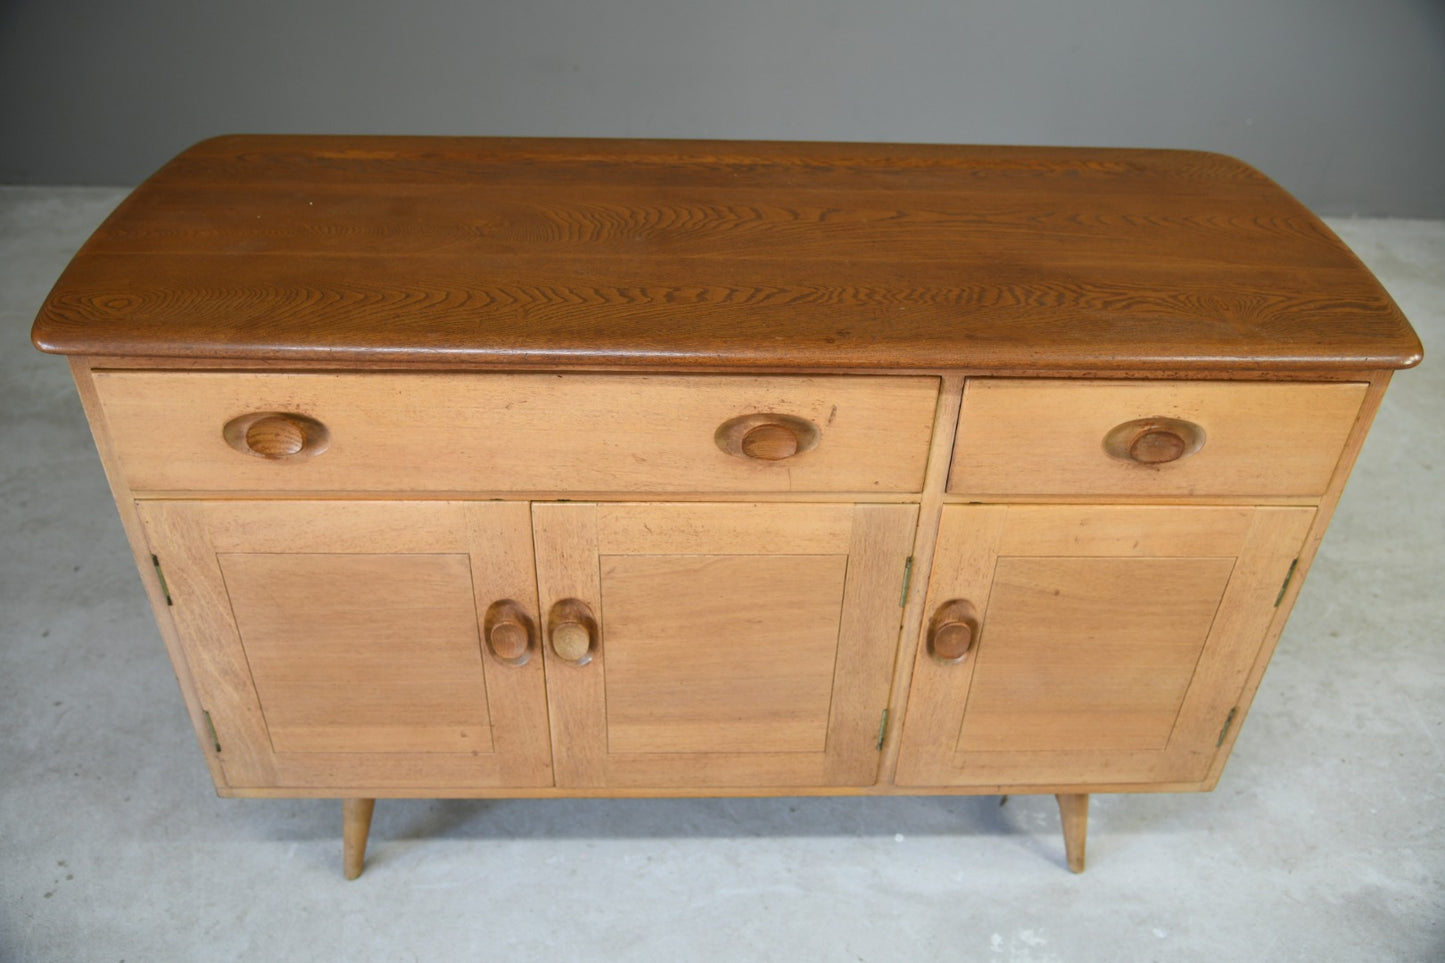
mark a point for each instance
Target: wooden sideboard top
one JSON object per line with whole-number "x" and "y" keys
{"x": 626, "y": 254}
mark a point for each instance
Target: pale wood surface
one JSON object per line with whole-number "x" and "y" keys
{"x": 867, "y": 640}
{"x": 566, "y": 542}
{"x": 733, "y": 652}
{"x": 141, "y": 553}
{"x": 721, "y": 653}
{"x": 586, "y": 253}
{"x": 1089, "y": 653}
{"x": 1042, "y": 437}
{"x": 950, "y": 397}
{"x": 1112, "y": 661}
{"x": 965, "y": 554}
{"x": 325, "y": 632}
{"x": 362, "y": 653}
{"x": 516, "y": 432}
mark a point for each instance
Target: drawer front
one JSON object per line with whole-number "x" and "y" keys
{"x": 1167, "y": 438}
{"x": 201, "y": 431}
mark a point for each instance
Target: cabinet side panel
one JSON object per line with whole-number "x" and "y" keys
{"x": 141, "y": 552}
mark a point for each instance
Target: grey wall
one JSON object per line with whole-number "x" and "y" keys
{"x": 1342, "y": 101}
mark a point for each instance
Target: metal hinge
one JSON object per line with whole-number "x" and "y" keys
{"x": 907, "y": 577}
{"x": 882, "y": 729}
{"x": 1228, "y": 721}
{"x": 211, "y": 728}
{"x": 161, "y": 578}
{"x": 1288, "y": 577}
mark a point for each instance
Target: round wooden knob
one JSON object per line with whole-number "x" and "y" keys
{"x": 508, "y": 630}
{"x": 770, "y": 442}
{"x": 767, "y": 436}
{"x": 1154, "y": 441}
{"x": 952, "y": 640}
{"x": 1157, "y": 447}
{"x": 276, "y": 435}
{"x": 573, "y": 631}
{"x": 952, "y": 631}
{"x": 571, "y": 641}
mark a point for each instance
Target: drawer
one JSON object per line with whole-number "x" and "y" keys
{"x": 516, "y": 432}
{"x": 1165, "y": 438}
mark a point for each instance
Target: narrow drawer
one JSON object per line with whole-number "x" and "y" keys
{"x": 1165, "y": 438}
{"x": 202, "y": 431}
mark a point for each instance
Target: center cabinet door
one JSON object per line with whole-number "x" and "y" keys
{"x": 1103, "y": 645}
{"x": 719, "y": 645}
{"x": 354, "y": 646}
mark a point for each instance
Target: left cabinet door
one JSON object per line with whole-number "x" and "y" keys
{"x": 362, "y": 647}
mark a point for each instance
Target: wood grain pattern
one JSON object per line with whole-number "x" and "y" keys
{"x": 1041, "y": 437}
{"x": 1101, "y": 659}
{"x": 743, "y": 644}
{"x": 719, "y": 653}
{"x": 342, "y": 640}
{"x": 628, "y": 253}
{"x": 516, "y": 432}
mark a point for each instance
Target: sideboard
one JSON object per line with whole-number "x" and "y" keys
{"x": 509, "y": 467}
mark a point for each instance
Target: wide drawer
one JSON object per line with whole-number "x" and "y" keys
{"x": 201, "y": 431}
{"x": 1160, "y": 438}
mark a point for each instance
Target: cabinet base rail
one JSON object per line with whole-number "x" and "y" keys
{"x": 356, "y": 827}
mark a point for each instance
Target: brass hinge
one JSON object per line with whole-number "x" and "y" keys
{"x": 211, "y": 728}
{"x": 907, "y": 577}
{"x": 161, "y": 578}
{"x": 882, "y": 729}
{"x": 1228, "y": 721}
{"x": 1288, "y": 577}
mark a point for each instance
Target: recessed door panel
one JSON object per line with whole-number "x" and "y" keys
{"x": 343, "y": 645}
{"x": 718, "y": 653}
{"x": 738, "y": 645}
{"x": 1089, "y": 653}
{"x": 362, "y": 653}
{"x": 1110, "y": 644}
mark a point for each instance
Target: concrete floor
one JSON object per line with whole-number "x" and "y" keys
{"x": 1324, "y": 841}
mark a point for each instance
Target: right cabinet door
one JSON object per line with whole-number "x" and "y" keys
{"x": 1100, "y": 645}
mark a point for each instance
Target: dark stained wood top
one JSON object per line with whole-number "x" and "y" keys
{"x": 470, "y": 251}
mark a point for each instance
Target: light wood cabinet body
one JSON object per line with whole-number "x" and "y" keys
{"x": 695, "y": 469}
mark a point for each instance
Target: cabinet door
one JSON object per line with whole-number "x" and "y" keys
{"x": 730, "y": 645}
{"x": 345, "y": 645}
{"x": 1111, "y": 645}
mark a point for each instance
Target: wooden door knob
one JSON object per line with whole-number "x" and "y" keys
{"x": 276, "y": 435}
{"x": 509, "y": 632}
{"x": 573, "y": 631}
{"x": 952, "y": 631}
{"x": 1154, "y": 441}
{"x": 767, "y": 436}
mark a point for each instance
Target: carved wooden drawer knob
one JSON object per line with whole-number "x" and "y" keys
{"x": 953, "y": 631}
{"x": 509, "y": 632}
{"x": 573, "y": 631}
{"x": 1154, "y": 441}
{"x": 766, "y": 436}
{"x": 277, "y": 435}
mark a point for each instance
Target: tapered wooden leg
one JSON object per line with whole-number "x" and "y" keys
{"x": 355, "y": 826}
{"x": 1074, "y": 811}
